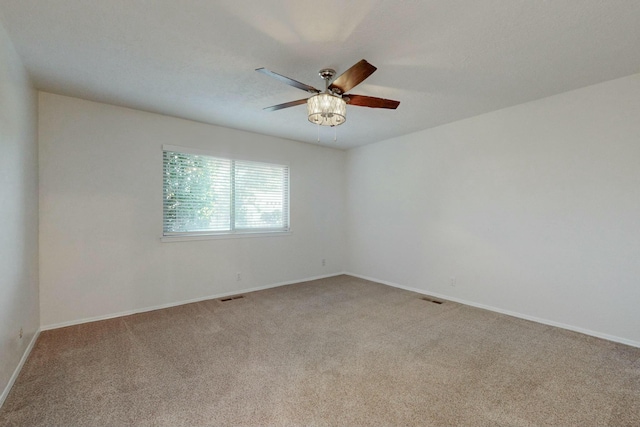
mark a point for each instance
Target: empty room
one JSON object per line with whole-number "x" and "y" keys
{"x": 342, "y": 213}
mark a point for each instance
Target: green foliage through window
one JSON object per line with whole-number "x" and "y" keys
{"x": 208, "y": 195}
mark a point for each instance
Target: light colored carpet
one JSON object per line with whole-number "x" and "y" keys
{"x": 339, "y": 351}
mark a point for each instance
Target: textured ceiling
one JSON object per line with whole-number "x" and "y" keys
{"x": 445, "y": 60}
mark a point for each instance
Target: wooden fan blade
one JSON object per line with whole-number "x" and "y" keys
{"x": 370, "y": 101}
{"x": 286, "y": 105}
{"x": 353, "y": 76}
{"x": 288, "y": 81}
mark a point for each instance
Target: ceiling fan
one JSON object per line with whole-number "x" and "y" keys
{"x": 328, "y": 108}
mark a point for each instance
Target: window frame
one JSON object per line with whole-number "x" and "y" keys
{"x": 233, "y": 232}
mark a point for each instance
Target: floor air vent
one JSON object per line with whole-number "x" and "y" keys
{"x": 435, "y": 301}
{"x": 231, "y": 298}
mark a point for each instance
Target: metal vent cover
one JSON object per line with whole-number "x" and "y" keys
{"x": 231, "y": 298}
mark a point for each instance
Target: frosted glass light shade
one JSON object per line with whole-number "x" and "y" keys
{"x": 327, "y": 110}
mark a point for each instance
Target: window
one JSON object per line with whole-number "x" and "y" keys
{"x": 205, "y": 195}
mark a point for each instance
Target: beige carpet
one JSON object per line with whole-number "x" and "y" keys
{"x": 339, "y": 351}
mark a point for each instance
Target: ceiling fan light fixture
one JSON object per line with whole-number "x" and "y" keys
{"x": 327, "y": 110}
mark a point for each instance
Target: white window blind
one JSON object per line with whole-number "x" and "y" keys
{"x": 209, "y": 195}
{"x": 261, "y": 196}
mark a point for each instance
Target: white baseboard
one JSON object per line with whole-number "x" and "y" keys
{"x": 502, "y": 311}
{"x": 16, "y": 371}
{"x": 173, "y": 304}
{"x": 290, "y": 282}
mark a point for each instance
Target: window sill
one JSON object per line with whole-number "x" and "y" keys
{"x": 170, "y": 239}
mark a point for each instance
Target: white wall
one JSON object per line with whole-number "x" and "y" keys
{"x": 534, "y": 209}
{"x": 101, "y": 213}
{"x": 19, "y": 213}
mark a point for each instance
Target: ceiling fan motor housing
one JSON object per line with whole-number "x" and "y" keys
{"x": 327, "y": 73}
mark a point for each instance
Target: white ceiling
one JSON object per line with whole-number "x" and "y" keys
{"x": 445, "y": 60}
